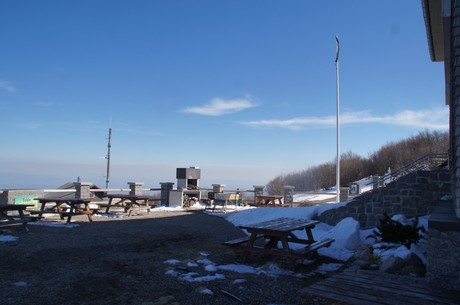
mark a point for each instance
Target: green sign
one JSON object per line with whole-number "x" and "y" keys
{"x": 26, "y": 199}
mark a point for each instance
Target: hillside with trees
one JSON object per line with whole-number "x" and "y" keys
{"x": 353, "y": 167}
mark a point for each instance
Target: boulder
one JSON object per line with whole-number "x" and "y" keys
{"x": 392, "y": 264}
{"x": 414, "y": 266}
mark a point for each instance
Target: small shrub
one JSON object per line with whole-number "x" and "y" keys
{"x": 392, "y": 231}
{"x": 374, "y": 258}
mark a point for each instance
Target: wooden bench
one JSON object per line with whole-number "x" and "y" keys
{"x": 34, "y": 212}
{"x": 9, "y": 220}
{"x": 65, "y": 207}
{"x": 32, "y": 218}
{"x": 269, "y": 200}
{"x": 305, "y": 251}
{"x": 279, "y": 231}
{"x": 239, "y": 241}
{"x": 128, "y": 202}
{"x": 37, "y": 214}
{"x": 235, "y": 199}
{"x": 301, "y": 253}
{"x": 80, "y": 212}
{"x": 223, "y": 199}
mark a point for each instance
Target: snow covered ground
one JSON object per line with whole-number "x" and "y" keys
{"x": 347, "y": 235}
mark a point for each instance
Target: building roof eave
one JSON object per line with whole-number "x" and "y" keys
{"x": 432, "y": 14}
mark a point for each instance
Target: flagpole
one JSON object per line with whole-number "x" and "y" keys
{"x": 337, "y": 87}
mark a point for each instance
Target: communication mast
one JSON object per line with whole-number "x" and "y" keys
{"x": 108, "y": 159}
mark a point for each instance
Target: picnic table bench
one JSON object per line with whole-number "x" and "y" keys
{"x": 9, "y": 220}
{"x": 276, "y": 231}
{"x": 223, "y": 199}
{"x": 269, "y": 200}
{"x": 129, "y": 202}
{"x": 65, "y": 207}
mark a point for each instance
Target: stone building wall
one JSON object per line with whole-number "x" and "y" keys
{"x": 412, "y": 195}
{"x": 452, "y": 67}
{"x": 443, "y": 253}
{"x": 443, "y": 249}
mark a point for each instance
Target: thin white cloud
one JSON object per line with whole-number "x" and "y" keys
{"x": 44, "y": 104}
{"x": 7, "y": 86}
{"x": 30, "y": 125}
{"x": 139, "y": 132}
{"x": 436, "y": 118}
{"x": 220, "y": 106}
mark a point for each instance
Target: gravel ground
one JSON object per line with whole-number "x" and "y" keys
{"x": 122, "y": 261}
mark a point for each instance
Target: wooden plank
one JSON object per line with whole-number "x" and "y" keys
{"x": 390, "y": 279}
{"x": 271, "y": 251}
{"x": 13, "y": 207}
{"x": 32, "y": 217}
{"x": 236, "y": 241}
{"x": 390, "y": 295}
{"x": 363, "y": 278}
{"x": 341, "y": 291}
{"x": 12, "y": 222}
{"x": 327, "y": 293}
{"x": 384, "y": 282}
{"x": 315, "y": 246}
{"x": 43, "y": 212}
{"x": 354, "y": 286}
{"x": 282, "y": 224}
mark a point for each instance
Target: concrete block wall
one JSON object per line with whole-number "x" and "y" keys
{"x": 412, "y": 195}
{"x": 82, "y": 189}
{"x": 135, "y": 188}
{"x": 288, "y": 195}
{"x": 7, "y": 196}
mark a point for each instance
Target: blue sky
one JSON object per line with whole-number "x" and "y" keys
{"x": 245, "y": 90}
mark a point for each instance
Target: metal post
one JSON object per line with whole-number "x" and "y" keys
{"x": 338, "y": 118}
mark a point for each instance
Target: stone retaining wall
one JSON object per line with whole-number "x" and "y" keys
{"x": 412, "y": 195}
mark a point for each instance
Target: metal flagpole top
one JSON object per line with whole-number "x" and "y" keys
{"x": 337, "y": 48}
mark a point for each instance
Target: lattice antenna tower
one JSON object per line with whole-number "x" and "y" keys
{"x": 109, "y": 145}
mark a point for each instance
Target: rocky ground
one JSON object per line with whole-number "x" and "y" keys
{"x": 122, "y": 261}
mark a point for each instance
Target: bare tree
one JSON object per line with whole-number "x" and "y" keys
{"x": 392, "y": 155}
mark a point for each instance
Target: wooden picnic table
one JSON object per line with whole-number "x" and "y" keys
{"x": 280, "y": 230}
{"x": 74, "y": 206}
{"x": 129, "y": 201}
{"x": 8, "y": 220}
{"x": 269, "y": 200}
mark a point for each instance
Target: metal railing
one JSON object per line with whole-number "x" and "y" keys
{"x": 426, "y": 162}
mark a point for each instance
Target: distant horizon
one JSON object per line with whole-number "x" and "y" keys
{"x": 52, "y": 182}
{"x": 120, "y": 184}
